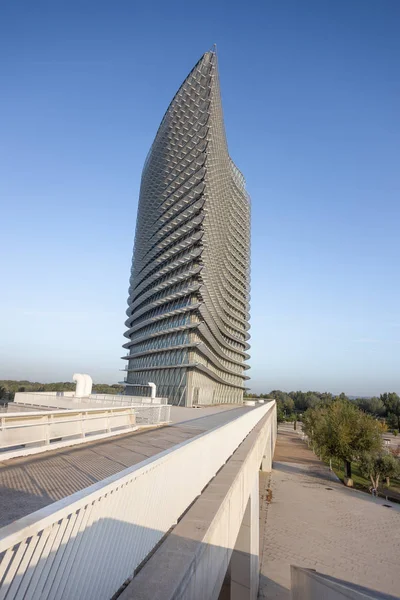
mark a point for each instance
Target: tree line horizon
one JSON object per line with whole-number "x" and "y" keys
{"x": 9, "y": 387}
{"x": 385, "y": 407}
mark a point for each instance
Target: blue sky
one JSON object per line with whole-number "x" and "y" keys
{"x": 311, "y": 96}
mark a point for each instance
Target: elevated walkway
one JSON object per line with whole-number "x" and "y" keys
{"x": 87, "y": 545}
{"x": 33, "y": 482}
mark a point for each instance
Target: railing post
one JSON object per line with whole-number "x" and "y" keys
{"x": 132, "y": 416}
{"x": 47, "y": 430}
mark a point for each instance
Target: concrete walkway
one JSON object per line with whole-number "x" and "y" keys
{"x": 32, "y": 482}
{"x": 313, "y": 521}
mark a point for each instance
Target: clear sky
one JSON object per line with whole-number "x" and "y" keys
{"x": 311, "y": 95}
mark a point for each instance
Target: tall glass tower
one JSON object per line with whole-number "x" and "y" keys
{"x": 190, "y": 278}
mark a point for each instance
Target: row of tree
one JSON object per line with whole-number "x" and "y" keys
{"x": 9, "y": 387}
{"x": 341, "y": 430}
{"x": 385, "y": 407}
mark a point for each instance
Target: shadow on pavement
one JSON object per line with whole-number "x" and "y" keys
{"x": 319, "y": 472}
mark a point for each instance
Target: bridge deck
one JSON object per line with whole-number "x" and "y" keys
{"x": 30, "y": 483}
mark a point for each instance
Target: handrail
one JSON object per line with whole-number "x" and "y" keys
{"x": 9, "y": 415}
{"x": 18, "y": 429}
{"x": 41, "y": 428}
{"x": 75, "y": 403}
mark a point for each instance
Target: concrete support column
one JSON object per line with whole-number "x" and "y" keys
{"x": 244, "y": 565}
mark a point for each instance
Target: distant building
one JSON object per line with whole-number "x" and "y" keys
{"x": 190, "y": 278}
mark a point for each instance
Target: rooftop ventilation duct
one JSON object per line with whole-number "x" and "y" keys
{"x": 80, "y": 384}
{"x": 88, "y": 384}
{"x": 84, "y": 384}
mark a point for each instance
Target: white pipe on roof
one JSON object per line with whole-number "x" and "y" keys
{"x": 153, "y": 389}
{"x": 88, "y": 384}
{"x": 80, "y": 384}
{"x": 84, "y": 384}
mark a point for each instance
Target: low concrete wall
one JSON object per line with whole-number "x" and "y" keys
{"x": 307, "y": 584}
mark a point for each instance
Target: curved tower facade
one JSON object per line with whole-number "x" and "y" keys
{"x": 188, "y": 305}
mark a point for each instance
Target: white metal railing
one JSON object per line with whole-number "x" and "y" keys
{"x": 18, "y": 429}
{"x": 129, "y": 400}
{"x": 85, "y": 546}
{"x": 152, "y": 415}
{"x": 46, "y": 401}
{"x": 41, "y": 428}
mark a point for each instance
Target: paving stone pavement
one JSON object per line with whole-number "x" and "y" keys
{"x": 315, "y": 522}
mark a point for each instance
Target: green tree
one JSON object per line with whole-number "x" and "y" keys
{"x": 284, "y": 404}
{"x": 280, "y": 415}
{"x": 377, "y": 465}
{"x": 314, "y": 426}
{"x": 299, "y": 399}
{"x": 391, "y": 402}
{"x": 279, "y": 395}
{"x": 373, "y": 406}
{"x": 3, "y": 395}
{"x": 392, "y": 421}
{"x": 34, "y": 386}
{"x": 326, "y": 397}
{"x": 305, "y": 400}
{"x": 342, "y": 431}
{"x": 288, "y": 404}
{"x": 312, "y": 400}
